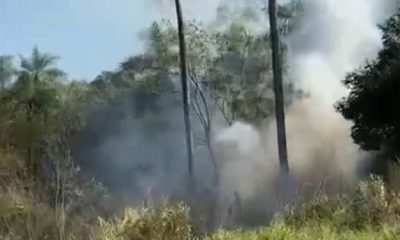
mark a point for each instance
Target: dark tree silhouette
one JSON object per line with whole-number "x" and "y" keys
{"x": 373, "y": 102}
{"x": 278, "y": 87}
{"x": 185, "y": 88}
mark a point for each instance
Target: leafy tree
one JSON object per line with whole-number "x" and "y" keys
{"x": 33, "y": 96}
{"x": 230, "y": 58}
{"x": 228, "y": 64}
{"x": 240, "y": 75}
{"x": 136, "y": 94}
{"x": 372, "y": 103}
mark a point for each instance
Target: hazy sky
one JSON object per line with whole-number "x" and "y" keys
{"x": 88, "y": 35}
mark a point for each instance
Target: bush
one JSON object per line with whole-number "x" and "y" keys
{"x": 372, "y": 212}
{"x": 28, "y": 210}
{"x": 163, "y": 223}
{"x": 22, "y": 218}
{"x": 372, "y": 204}
{"x": 322, "y": 231}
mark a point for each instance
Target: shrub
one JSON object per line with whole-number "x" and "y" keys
{"x": 371, "y": 212}
{"x": 22, "y": 218}
{"x": 321, "y": 231}
{"x": 28, "y": 210}
{"x": 163, "y": 223}
{"x": 372, "y": 204}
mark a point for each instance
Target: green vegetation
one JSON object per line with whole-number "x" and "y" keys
{"x": 372, "y": 101}
{"x": 373, "y": 89}
{"x": 371, "y": 212}
{"x": 49, "y": 123}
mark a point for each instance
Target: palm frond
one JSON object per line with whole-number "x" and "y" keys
{"x": 41, "y": 61}
{"x": 25, "y": 64}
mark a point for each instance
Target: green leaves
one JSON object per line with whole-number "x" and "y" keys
{"x": 231, "y": 57}
{"x": 34, "y": 100}
{"x": 40, "y": 64}
{"x": 372, "y": 103}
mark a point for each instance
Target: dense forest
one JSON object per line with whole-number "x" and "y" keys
{"x": 107, "y": 158}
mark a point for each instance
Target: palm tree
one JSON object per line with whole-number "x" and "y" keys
{"x": 34, "y": 92}
{"x": 278, "y": 87}
{"x": 36, "y": 76}
{"x": 40, "y": 67}
{"x": 7, "y": 70}
{"x": 185, "y": 88}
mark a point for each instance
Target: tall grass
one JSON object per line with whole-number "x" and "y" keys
{"x": 371, "y": 211}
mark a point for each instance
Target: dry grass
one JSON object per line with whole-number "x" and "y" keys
{"x": 371, "y": 211}
{"x": 164, "y": 223}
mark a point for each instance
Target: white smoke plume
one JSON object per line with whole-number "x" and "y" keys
{"x": 333, "y": 37}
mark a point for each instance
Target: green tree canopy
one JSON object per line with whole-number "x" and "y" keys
{"x": 31, "y": 100}
{"x": 373, "y": 102}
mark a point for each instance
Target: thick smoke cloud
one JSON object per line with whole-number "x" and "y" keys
{"x": 332, "y": 38}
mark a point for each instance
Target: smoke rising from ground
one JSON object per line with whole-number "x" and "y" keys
{"x": 333, "y": 37}
{"x": 147, "y": 159}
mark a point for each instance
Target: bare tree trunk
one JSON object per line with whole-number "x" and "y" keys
{"x": 200, "y": 107}
{"x": 278, "y": 88}
{"x": 185, "y": 88}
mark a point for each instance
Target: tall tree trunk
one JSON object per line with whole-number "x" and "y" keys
{"x": 185, "y": 88}
{"x": 29, "y": 118}
{"x": 30, "y": 154}
{"x": 278, "y": 87}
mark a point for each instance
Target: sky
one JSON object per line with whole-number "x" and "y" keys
{"x": 88, "y": 35}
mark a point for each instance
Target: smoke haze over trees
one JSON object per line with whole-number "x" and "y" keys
{"x": 83, "y": 150}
